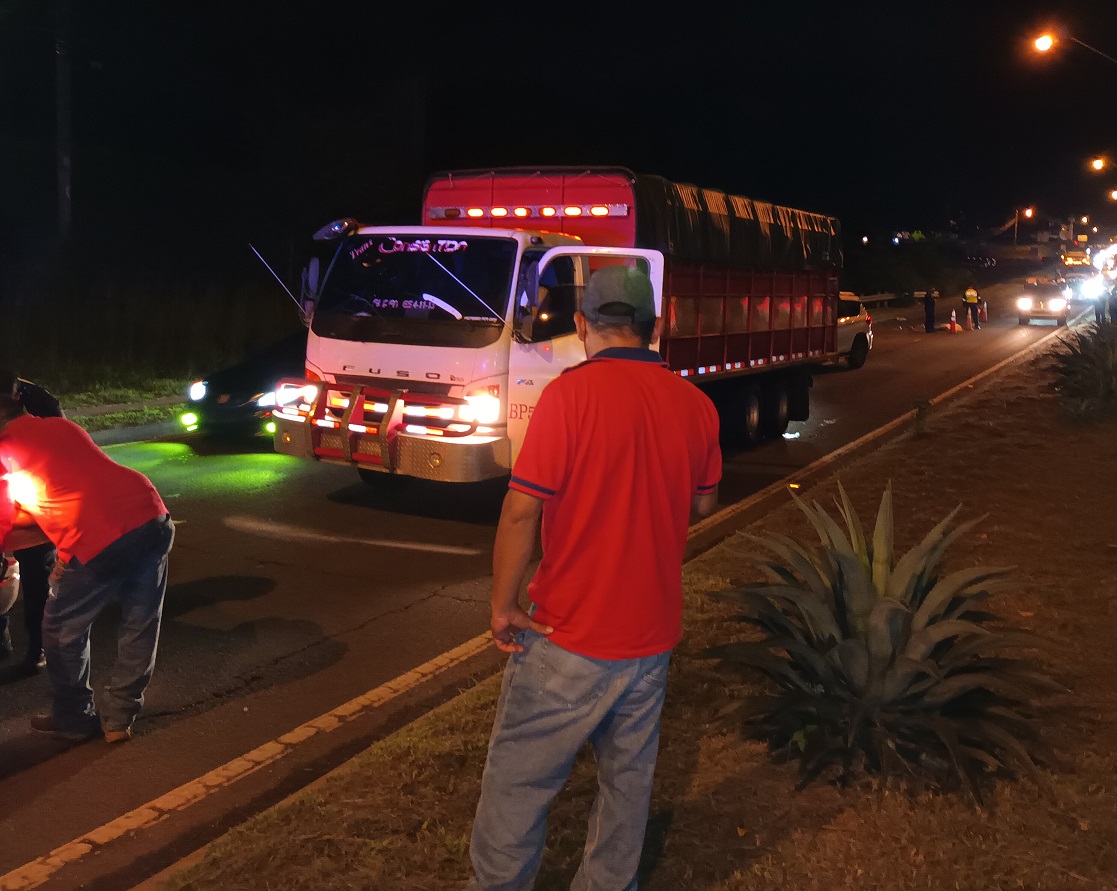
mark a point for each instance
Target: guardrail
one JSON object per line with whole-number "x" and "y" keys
{"x": 874, "y": 299}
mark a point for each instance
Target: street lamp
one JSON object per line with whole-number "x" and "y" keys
{"x": 1113, "y": 195}
{"x": 1028, "y": 212}
{"x": 1046, "y": 42}
{"x": 1098, "y": 164}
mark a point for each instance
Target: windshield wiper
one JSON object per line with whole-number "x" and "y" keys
{"x": 443, "y": 305}
{"x": 496, "y": 316}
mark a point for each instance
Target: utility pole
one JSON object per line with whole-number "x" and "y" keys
{"x": 64, "y": 138}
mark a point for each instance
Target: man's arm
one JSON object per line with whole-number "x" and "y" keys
{"x": 515, "y": 541}
{"x": 704, "y": 503}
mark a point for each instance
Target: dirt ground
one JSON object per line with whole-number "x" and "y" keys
{"x": 724, "y": 816}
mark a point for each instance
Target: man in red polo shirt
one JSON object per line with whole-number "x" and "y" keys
{"x": 618, "y": 455}
{"x": 113, "y": 535}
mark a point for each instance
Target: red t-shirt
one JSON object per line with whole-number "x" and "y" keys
{"x": 81, "y": 499}
{"x": 617, "y": 446}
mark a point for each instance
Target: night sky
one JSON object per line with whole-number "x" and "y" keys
{"x": 199, "y": 127}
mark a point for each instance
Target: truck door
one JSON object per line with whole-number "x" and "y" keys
{"x": 548, "y": 293}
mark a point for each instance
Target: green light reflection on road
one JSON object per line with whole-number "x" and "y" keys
{"x": 176, "y": 468}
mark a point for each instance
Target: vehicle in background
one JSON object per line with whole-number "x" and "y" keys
{"x": 430, "y": 345}
{"x": 1082, "y": 284}
{"x": 238, "y": 401}
{"x": 1077, "y": 257}
{"x": 1042, "y": 301}
{"x": 855, "y": 330}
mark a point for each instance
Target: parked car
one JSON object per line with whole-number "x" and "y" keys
{"x": 855, "y": 331}
{"x": 1042, "y": 301}
{"x": 238, "y": 400}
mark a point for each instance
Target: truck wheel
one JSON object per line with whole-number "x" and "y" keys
{"x": 776, "y": 410}
{"x": 859, "y": 352}
{"x": 751, "y": 416}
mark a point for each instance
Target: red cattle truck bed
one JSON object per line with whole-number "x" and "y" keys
{"x": 747, "y": 285}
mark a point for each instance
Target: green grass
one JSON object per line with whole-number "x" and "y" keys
{"x": 132, "y": 418}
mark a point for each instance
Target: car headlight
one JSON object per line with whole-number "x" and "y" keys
{"x": 1024, "y": 303}
{"x": 197, "y": 391}
{"x": 1057, "y": 305}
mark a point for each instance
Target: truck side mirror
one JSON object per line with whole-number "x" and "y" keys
{"x": 309, "y": 294}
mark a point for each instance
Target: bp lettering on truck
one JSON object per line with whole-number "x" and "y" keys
{"x": 482, "y": 296}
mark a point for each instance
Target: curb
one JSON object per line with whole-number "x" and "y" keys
{"x": 142, "y": 433}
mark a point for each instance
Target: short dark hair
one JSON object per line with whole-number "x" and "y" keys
{"x": 642, "y": 330}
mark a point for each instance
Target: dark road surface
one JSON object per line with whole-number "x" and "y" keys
{"x": 295, "y": 587}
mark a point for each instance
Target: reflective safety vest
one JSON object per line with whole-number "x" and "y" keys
{"x": 970, "y": 296}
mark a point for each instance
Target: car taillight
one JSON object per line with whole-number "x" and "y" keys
{"x": 868, "y": 319}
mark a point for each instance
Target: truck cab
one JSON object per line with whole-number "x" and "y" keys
{"x": 428, "y": 348}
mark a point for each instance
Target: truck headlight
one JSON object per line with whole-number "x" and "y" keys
{"x": 287, "y": 395}
{"x": 1057, "y": 305}
{"x": 482, "y": 406}
{"x": 1024, "y": 303}
{"x": 197, "y": 391}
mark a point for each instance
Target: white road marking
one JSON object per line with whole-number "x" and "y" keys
{"x": 287, "y": 532}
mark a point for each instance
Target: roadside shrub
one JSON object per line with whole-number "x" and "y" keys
{"x": 881, "y": 664}
{"x": 1085, "y": 372}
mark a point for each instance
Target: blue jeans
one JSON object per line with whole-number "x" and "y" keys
{"x": 133, "y": 572}
{"x": 551, "y": 702}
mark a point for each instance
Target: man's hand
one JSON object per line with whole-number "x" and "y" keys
{"x": 515, "y": 539}
{"x": 506, "y": 624}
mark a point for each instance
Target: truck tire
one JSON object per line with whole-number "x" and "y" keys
{"x": 752, "y": 416}
{"x": 859, "y": 352}
{"x": 777, "y": 412}
{"x": 741, "y": 412}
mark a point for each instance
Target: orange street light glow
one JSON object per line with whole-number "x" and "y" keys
{"x": 1113, "y": 195}
{"x": 1044, "y": 42}
{"x": 1029, "y": 212}
{"x": 1098, "y": 163}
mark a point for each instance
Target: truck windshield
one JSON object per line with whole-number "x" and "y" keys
{"x": 428, "y": 290}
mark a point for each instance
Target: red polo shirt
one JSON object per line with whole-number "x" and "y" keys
{"x": 81, "y": 499}
{"x": 617, "y": 446}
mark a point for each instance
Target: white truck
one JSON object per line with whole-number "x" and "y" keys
{"x": 429, "y": 346}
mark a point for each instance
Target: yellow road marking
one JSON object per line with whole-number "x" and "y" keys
{"x": 38, "y": 872}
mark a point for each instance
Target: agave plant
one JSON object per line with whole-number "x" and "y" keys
{"x": 883, "y": 661}
{"x": 1085, "y": 369}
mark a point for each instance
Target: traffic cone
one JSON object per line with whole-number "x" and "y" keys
{"x": 953, "y": 320}
{"x": 969, "y": 318}
{"x": 984, "y": 311}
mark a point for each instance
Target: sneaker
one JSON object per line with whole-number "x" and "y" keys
{"x": 46, "y": 724}
{"x": 118, "y": 736}
{"x": 33, "y": 660}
